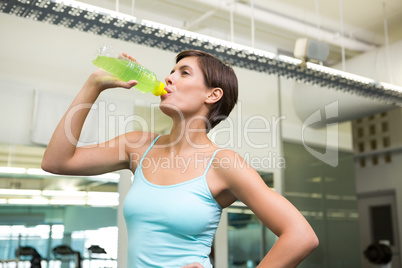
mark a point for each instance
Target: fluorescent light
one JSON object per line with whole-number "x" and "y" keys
{"x": 108, "y": 176}
{"x": 391, "y": 87}
{"x": 19, "y": 192}
{"x": 12, "y": 170}
{"x": 103, "y": 199}
{"x": 102, "y": 203}
{"x": 263, "y": 53}
{"x": 104, "y": 195}
{"x": 39, "y": 171}
{"x": 354, "y": 77}
{"x": 63, "y": 193}
{"x": 111, "y": 176}
{"x": 289, "y": 59}
{"x": 108, "y": 23}
{"x": 28, "y": 201}
{"x": 67, "y": 202}
{"x": 96, "y": 9}
{"x": 79, "y": 198}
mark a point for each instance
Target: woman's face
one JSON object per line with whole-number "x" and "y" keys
{"x": 186, "y": 89}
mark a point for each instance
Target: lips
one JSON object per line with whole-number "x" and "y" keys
{"x": 168, "y": 92}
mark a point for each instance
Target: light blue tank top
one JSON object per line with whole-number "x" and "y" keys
{"x": 170, "y": 226}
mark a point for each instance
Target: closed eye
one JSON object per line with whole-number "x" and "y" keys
{"x": 184, "y": 70}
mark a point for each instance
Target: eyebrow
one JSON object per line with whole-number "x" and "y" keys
{"x": 182, "y": 68}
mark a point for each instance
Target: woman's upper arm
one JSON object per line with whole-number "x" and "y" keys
{"x": 274, "y": 211}
{"x": 101, "y": 158}
{"x": 296, "y": 237}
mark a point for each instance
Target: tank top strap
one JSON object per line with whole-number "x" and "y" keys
{"x": 149, "y": 148}
{"x": 210, "y": 161}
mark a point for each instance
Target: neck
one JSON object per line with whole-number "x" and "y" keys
{"x": 188, "y": 134}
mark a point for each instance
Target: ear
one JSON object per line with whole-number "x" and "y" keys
{"x": 214, "y": 95}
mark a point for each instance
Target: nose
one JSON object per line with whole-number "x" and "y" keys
{"x": 169, "y": 79}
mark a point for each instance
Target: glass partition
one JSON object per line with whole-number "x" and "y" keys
{"x": 45, "y": 238}
{"x": 248, "y": 239}
{"x": 326, "y": 196}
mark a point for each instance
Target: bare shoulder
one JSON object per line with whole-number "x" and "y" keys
{"x": 234, "y": 170}
{"x": 135, "y": 144}
{"x": 228, "y": 161}
{"x": 137, "y": 139}
{"x": 241, "y": 179}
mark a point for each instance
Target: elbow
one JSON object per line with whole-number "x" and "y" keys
{"x": 314, "y": 242}
{"x": 50, "y": 166}
{"x": 47, "y": 166}
{"x": 311, "y": 243}
{"x": 307, "y": 242}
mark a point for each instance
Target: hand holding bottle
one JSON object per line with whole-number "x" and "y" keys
{"x": 102, "y": 80}
{"x": 127, "y": 68}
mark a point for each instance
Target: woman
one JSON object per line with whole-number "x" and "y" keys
{"x": 181, "y": 180}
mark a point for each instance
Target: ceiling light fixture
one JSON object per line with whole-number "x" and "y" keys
{"x": 12, "y": 170}
{"x": 103, "y": 195}
{"x": 102, "y": 202}
{"x": 28, "y": 201}
{"x": 104, "y": 22}
{"x": 54, "y": 197}
{"x": 64, "y": 193}
{"x": 77, "y": 202}
{"x": 112, "y": 177}
{"x": 24, "y": 192}
{"x": 39, "y": 171}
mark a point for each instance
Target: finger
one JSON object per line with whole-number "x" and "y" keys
{"x": 130, "y": 84}
{"x": 129, "y": 57}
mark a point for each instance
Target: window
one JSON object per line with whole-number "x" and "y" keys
{"x": 381, "y": 218}
{"x": 372, "y": 129}
{"x": 360, "y": 132}
{"x": 388, "y": 158}
{"x": 375, "y": 160}
{"x": 361, "y": 147}
{"x": 384, "y": 126}
{"x": 373, "y": 144}
{"x": 362, "y": 162}
{"x": 386, "y": 142}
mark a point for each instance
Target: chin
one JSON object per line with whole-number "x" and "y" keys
{"x": 170, "y": 109}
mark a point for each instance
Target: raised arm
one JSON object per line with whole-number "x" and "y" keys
{"x": 62, "y": 155}
{"x": 296, "y": 238}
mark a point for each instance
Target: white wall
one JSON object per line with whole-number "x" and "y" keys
{"x": 333, "y": 136}
{"x": 374, "y": 64}
{"x": 38, "y": 56}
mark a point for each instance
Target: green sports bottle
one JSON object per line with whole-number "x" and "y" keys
{"x": 126, "y": 69}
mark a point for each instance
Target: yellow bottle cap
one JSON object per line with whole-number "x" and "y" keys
{"x": 159, "y": 89}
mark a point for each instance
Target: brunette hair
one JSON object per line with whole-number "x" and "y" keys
{"x": 216, "y": 74}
